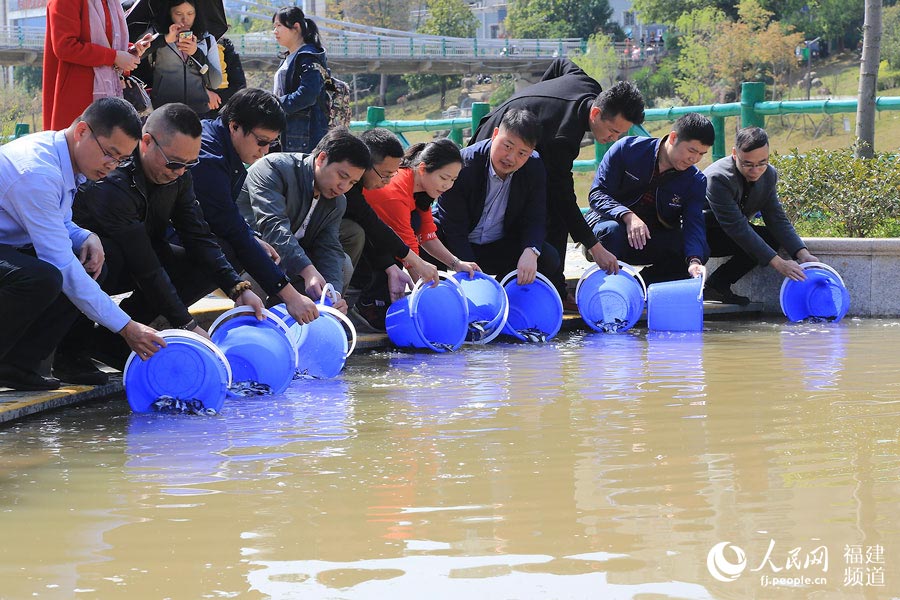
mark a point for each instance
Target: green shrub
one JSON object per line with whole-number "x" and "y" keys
{"x": 833, "y": 193}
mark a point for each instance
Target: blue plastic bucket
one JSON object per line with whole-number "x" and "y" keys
{"x": 535, "y": 306}
{"x": 189, "y": 367}
{"x": 611, "y": 303}
{"x": 259, "y": 351}
{"x": 822, "y": 295}
{"x": 322, "y": 346}
{"x": 675, "y": 305}
{"x": 436, "y": 317}
{"x": 488, "y": 306}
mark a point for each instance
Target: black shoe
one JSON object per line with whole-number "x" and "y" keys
{"x": 78, "y": 369}
{"x": 25, "y": 380}
{"x": 373, "y": 315}
{"x": 711, "y": 294}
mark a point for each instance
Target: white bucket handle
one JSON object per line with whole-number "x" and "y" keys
{"x": 240, "y": 310}
{"x": 347, "y": 323}
{"x": 821, "y": 265}
{"x": 537, "y": 275}
{"x": 328, "y": 291}
{"x": 419, "y": 287}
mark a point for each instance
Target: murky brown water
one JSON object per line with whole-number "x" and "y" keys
{"x": 593, "y": 467}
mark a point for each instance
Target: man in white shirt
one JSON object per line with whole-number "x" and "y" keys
{"x": 49, "y": 265}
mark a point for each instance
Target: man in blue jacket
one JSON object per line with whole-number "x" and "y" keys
{"x": 647, "y": 200}
{"x": 496, "y": 212}
{"x": 246, "y": 127}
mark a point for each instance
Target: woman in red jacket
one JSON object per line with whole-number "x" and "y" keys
{"x": 85, "y": 50}
{"x": 404, "y": 204}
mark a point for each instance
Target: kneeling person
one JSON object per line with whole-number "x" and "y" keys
{"x": 296, "y": 202}
{"x": 737, "y": 188}
{"x": 496, "y": 212}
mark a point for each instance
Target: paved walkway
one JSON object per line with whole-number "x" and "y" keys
{"x": 15, "y": 405}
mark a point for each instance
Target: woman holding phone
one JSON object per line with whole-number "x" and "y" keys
{"x": 185, "y": 59}
{"x": 86, "y": 50}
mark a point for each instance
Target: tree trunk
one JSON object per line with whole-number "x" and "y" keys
{"x": 382, "y": 90}
{"x": 868, "y": 80}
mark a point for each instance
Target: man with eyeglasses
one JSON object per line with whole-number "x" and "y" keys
{"x": 48, "y": 265}
{"x": 371, "y": 244}
{"x": 131, "y": 210}
{"x": 246, "y": 128}
{"x": 738, "y": 187}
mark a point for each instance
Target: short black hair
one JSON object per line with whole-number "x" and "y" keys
{"x": 381, "y": 143}
{"x": 522, "y": 123}
{"x": 434, "y": 155}
{"x": 250, "y": 108}
{"x": 625, "y": 99}
{"x": 749, "y": 139}
{"x": 340, "y": 145}
{"x": 694, "y": 126}
{"x": 172, "y": 118}
{"x": 105, "y": 114}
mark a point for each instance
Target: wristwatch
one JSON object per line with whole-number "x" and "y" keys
{"x": 535, "y": 250}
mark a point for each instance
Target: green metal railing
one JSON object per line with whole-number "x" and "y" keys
{"x": 752, "y": 110}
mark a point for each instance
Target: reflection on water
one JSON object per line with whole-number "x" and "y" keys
{"x": 595, "y": 466}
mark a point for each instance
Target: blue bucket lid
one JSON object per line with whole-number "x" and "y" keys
{"x": 189, "y": 367}
{"x": 821, "y": 295}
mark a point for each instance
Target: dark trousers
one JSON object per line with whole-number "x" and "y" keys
{"x": 35, "y": 314}
{"x": 558, "y": 238}
{"x": 740, "y": 263}
{"x": 663, "y": 251}
{"x": 190, "y": 279}
{"x": 502, "y": 256}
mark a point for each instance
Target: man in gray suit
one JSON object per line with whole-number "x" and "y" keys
{"x": 738, "y": 187}
{"x": 296, "y": 203}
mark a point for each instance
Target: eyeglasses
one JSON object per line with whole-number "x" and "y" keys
{"x": 749, "y": 165}
{"x": 384, "y": 178}
{"x": 263, "y": 142}
{"x": 173, "y": 165}
{"x": 109, "y": 158}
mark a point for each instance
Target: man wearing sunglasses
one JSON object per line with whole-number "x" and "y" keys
{"x": 49, "y": 265}
{"x": 248, "y": 124}
{"x": 738, "y": 187}
{"x": 131, "y": 210}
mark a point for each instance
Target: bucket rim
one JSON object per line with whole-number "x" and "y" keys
{"x": 344, "y": 321}
{"x": 504, "y": 317}
{"x": 818, "y": 265}
{"x": 269, "y": 315}
{"x": 623, "y": 266}
{"x": 415, "y": 296}
{"x": 559, "y": 305}
{"x": 167, "y": 334}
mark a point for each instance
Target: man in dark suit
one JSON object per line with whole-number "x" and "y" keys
{"x": 567, "y": 103}
{"x": 495, "y": 213}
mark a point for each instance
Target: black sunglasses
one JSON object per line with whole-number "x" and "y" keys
{"x": 173, "y": 165}
{"x": 262, "y": 143}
